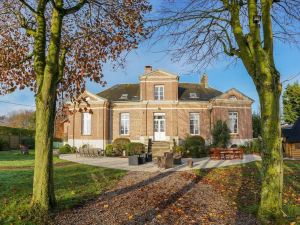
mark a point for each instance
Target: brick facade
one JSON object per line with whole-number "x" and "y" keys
{"x": 211, "y": 105}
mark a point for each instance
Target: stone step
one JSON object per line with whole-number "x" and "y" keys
{"x": 161, "y": 144}
{"x": 158, "y": 153}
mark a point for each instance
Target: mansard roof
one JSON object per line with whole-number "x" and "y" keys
{"x": 115, "y": 92}
{"x": 131, "y": 92}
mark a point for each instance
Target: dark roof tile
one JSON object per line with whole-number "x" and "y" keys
{"x": 133, "y": 90}
{"x": 292, "y": 134}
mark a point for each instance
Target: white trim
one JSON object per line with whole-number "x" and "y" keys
{"x": 159, "y": 92}
{"x": 232, "y": 107}
{"x": 160, "y": 80}
{"x": 237, "y": 122}
{"x": 234, "y": 90}
{"x": 198, "y": 125}
{"x": 126, "y": 122}
{"x": 152, "y": 73}
{"x": 96, "y": 96}
{"x": 156, "y": 108}
{"x": 86, "y": 123}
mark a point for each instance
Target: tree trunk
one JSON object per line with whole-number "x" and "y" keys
{"x": 43, "y": 187}
{"x": 272, "y": 164}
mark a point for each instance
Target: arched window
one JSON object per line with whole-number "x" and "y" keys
{"x": 232, "y": 97}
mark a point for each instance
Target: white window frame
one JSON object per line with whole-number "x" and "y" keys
{"x": 159, "y": 92}
{"x": 86, "y": 123}
{"x": 124, "y": 123}
{"x": 232, "y": 97}
{"x": 230, "y": 118}
{"x": 194, "y": 123}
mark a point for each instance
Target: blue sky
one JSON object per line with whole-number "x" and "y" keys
{"x": 221, "y": 76}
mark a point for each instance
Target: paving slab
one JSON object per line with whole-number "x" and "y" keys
{"x": 122, "y": 163}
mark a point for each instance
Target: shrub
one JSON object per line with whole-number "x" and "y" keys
{"x": 29, "y": 142}
{"x": 221, "y": 134}
{"x": 174, "y": 146}
{"x": 119, "y": 145}
{"x": 135, "y": 148}
{"x": 67, "y": 149}
{"x": 180, "y": 150}
{"x": 109, "y": 150}
{"x": 194, "y": 146}
{"x": 16, "y": 131}
{"x": 253, "y": 146}
{"x": 4, "y": 145}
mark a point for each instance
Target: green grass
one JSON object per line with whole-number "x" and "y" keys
{"x": 241, "y": 185}
{"x": 15, "y": 159}
{"x": 74, "y": 184}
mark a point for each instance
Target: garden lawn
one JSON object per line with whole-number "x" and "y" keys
{"x": 15, "y": 159}
{"x": 74, "y": 184}
{"x": 240, "y": 184}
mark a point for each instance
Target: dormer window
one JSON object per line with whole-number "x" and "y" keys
{"x": 232, "y": 97}
{"x": 159, "y": 92}
{"x": 193, "y": 95}
{"x": 124, "y": 97}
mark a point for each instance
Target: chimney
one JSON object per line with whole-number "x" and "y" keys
{"x": 204, "y": 80}
{"x": 148, "y": 69}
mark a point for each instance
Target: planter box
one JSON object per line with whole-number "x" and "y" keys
{"x": 177, "y": 161}
{"x": 142, "y": 160}
{"x": 148, "y": 157}
{"x": 136, "y": 160}
{"x": 133, "y": 160}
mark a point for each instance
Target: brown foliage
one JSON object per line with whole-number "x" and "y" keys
{"x": 92, "y": 34}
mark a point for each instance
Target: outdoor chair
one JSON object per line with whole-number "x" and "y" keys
{"x": 24, "y": 150}
{"x": 85, "y": 152}
{"x": 80, "y": 152}
{"x": 95, "y": 152}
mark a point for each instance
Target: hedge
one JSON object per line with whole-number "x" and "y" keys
{"x": 119, "y": 145}
{"x": 135, "y": 148}
{"x": 16, "y": 131}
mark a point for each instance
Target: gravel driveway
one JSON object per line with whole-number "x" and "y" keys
{"x": 157, "y": 198}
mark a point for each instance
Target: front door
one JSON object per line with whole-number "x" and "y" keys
{"x": 159, "y": 127}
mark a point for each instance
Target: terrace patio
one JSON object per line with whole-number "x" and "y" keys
{"x": 122, "y": 163}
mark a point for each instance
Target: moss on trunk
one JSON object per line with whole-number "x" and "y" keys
{"x": 272, "y": 164}
{"x": 43, "y": 197}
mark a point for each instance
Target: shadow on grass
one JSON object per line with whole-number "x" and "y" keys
{"x": 15, "y": 155}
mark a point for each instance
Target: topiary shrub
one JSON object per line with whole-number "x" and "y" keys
{"x": 180, "y": 150}
{"x": 67, "y": 149}
{"x": 4, "y": 145}
{"x": 135, "y": 148}
{"x": 194, "y": 146}
{"x": 119, "y": 145}
{"x": 109, "y": 150}
{"x": 220, "y": 134}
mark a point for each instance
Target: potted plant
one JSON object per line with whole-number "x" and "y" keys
{"x": 149, "y": 157}
{"x": 135, "y": 153}
{"x": 178, "y": 155}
